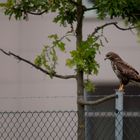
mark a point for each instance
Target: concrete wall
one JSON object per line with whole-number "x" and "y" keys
{"x": 24, "y": 88}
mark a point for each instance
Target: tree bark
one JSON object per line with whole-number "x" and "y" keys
{"x": 98, "y": 101}
{"x": 80, "y": 74}
{"x": 80, "y": 107}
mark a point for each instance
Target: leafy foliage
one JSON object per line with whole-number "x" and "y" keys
{"x": 47, "y": 61}
{"x": 127, "y": 9}
{"x": 89, "y": 86}
{"x": 48, "y": 57}
{"x": 84, "y": 57}
{"x": 21, "y": 8}
{"x": 66, "y": 14}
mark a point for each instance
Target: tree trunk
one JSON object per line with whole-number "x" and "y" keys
{"x": 80, "y": 74}
{"x": 81, "y": 113}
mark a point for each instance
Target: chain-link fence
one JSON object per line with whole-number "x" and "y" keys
{"x": 38, "y": 125}
{"x": 62, "y": 125}
{"x": 107, "y": 126}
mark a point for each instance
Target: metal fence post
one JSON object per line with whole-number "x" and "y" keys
{"x": 119, "y": 115}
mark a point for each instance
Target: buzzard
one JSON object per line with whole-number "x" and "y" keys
{"x": 124, "y": 72}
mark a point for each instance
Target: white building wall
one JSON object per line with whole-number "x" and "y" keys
{"x": 25, "y": 88}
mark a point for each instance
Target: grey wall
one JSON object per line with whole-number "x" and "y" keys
{"x": 24, "y": 88}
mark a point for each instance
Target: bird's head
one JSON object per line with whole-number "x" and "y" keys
{"x": 112, "y": 56}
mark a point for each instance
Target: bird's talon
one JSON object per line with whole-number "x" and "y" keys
{"x": 121, "y": 90}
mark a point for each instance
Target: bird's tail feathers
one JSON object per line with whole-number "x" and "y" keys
{"x": 138, "y": 80}
{"x": 135, "y": 81}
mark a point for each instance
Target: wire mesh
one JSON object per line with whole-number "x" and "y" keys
{"x": 38, "y": 125}
{"x": 62, "y": 125}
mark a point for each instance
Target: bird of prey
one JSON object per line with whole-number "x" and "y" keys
{"x": 124, "y": 72}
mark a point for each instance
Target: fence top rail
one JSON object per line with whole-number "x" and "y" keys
{"x": 87, "y": 113}
{"x": 112, "y": 114}
{"x": 97, "y": 96}
{"x": 38, "y": 112}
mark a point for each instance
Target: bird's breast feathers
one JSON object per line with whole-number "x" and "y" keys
{"x": 124, "y": 71}
{"x": 115, "y": 69}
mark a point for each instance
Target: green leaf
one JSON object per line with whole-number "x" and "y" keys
{"x": 89, "y": 86}
{"x": 56, "y": 42}
{"x": 61, "y": 46}
{"x": 70, "y": 63}
{"x": 38, "y": 61}
{"x": 53, "y": 36}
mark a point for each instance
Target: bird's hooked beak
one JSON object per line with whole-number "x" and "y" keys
{"x": 106, "y": 58}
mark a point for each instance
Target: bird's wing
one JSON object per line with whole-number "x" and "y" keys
{"x": 127, "y": 70}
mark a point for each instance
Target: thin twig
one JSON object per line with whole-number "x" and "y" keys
{"x": 91, "y": 8}
{"x": 125, "y": 29}
{"x": 35, "y": 66}
{"x": 112, "y": 23}
{"x": 36, "y": 13}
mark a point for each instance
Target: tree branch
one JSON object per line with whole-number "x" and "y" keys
{"x": 112, "y": 23}
{"x": 125, "y": 29}
{"x": 91, "y": 8}
{"x": 99, "y": 101}
{"x": 36, "y": 13}
{"x": 37, "y": 67}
